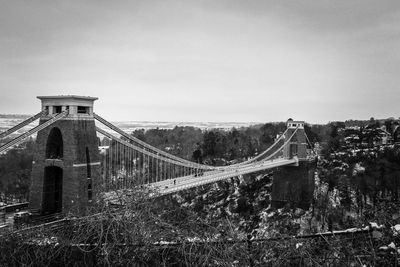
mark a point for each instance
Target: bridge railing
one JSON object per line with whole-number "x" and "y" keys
{"x": 38, "y": 128}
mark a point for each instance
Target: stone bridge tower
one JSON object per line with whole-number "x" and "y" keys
{"x": 66, "y": 163}
{"x": 294, "y": 185}
{"x": 298, "y": 144}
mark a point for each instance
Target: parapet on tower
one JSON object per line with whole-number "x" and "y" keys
{"x": 66, "y": 164}
{"x": 77, "y": 106}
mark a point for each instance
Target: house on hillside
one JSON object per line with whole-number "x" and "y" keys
{"x": 383, "y": 138}
{"x": 376, "y": 136}
{"x": 396, "y": 134}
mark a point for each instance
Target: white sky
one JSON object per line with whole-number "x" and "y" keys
{"x": 215, "y": 60}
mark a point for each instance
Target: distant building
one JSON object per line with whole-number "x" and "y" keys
{"x": 384, "y": 138}
{"x": 396, "y": 134}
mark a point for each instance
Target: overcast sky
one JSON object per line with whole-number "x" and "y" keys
{"x": 215, "y": 60}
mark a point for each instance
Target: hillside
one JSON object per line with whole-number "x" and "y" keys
{"x": 235, "y": 222}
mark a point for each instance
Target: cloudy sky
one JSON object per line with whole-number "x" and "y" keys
{"x": 211, "y": 60}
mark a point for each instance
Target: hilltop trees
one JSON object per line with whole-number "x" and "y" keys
{"x": 179, "y": 141}
{"x": 213, "y": 146}
{"x": 15, "y": 171}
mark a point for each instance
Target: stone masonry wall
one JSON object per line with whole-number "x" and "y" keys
{"x": 77, "y": 135}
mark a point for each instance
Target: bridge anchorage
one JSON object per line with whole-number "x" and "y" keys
{"x": 70, "y": 170}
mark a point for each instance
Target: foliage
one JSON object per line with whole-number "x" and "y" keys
{"x": 15, "y": 171}
{"x": 149, "y": 232}
{"x": 179, "y": 141}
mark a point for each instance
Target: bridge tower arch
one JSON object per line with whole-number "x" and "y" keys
{"x": 66, "y": 163}
{"x": 54, "y": 145}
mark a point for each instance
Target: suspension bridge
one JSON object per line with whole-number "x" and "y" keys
{"x": 69, "y": 172}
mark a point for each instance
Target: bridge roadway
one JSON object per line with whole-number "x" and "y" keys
{"x": 174, "y": 185}
{"x": 182, "y": 183}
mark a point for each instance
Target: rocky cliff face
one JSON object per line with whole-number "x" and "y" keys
{"x": 293, "y": 186}
{"x": 246, "y": 201}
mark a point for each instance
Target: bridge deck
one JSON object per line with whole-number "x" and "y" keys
{"x": 170, "y": 186}
{"x": 183, "y": 183}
